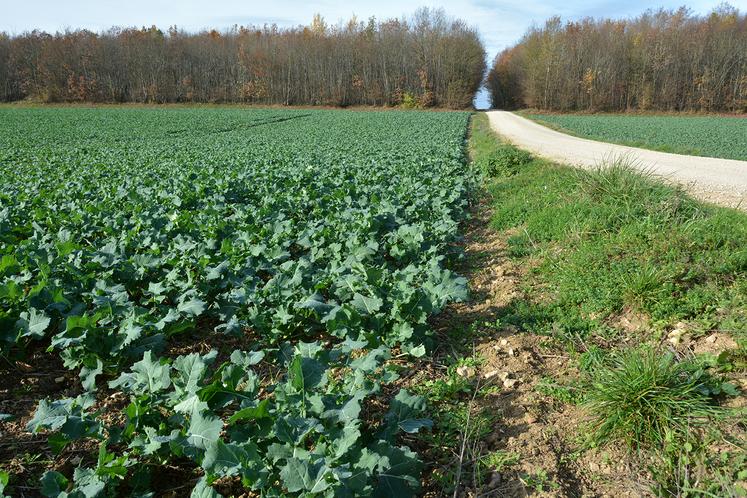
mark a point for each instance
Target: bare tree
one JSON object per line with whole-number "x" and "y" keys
{"x": 661, "y": 60}
{"x": 428, "y": 60}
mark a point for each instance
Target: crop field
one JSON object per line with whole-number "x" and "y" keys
{"x": 203, "y": 300}
{"x": 712, "y": 136}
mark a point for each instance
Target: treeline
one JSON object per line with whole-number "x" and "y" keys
{"x": 663, "y": 60}
{"x": 426, "y": 60}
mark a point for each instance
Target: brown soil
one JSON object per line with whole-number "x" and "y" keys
{"x": 22, "y": 385}
{"x": 545, "y": 434}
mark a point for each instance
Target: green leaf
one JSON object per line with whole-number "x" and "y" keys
{"x": 294, "y": 430}
{"x": 51, "y": 415}
{"x": 4, "y": 480}
{"x": 88, "y": 483}
{"x": 349, "y": 439}
{"x": 402, "y": 414}
{"x": 348, "y": 412}
{"x": 300, "y": 475}
{"x": 54, "y": 484}
{"x": 204, "y": 428}
{"x": 147, "y": 376}
{"x": 372, "y": 361}
{"x": 417, "y": 351}
{"x": 203, "y": 490}
{"x": 152, "y": 441}
{"x": 306, "y": 374}
{"x": 190, "y": 371}
{"x": 412, "y": 425}
{"x": 317, "y": 303}
{"x": 33, "y": 323}
{"x": 729, "y": 389}
{"x": 190, "y": 404}
{"x": 399, "y": 472}
{"x": 262, "y": 410}
{"x": 246, "y": 360}
{"x": 367, "y": 305}
{"x": 193, "y": 307}
{"x": 88, "y": 373}
{"x": 223, "y": 459}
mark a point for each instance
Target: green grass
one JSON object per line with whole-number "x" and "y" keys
{"x": 713, "y": 136}
{"x": 608, "y": 243}
{"x": 613, "y": 240}
{"x": 643, "y": 397}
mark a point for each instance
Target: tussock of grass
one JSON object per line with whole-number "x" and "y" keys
{"x": 644, "y": 397}
{"x": 633, "y": 194}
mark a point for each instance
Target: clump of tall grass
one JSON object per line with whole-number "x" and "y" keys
{"x": 644, "y": 398}
{"x": 636, "y": 192}
{"x": 504, "y": 160}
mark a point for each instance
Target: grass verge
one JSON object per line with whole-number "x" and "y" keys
{"x": 645, "y": 290}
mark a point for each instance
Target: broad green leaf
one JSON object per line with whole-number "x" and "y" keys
{"x": 412, "y": 425}
{"x": 54, "y": 484}
{"x": 193, "y": 307}
{"x": 223, "y": 459}
{"x": 147, "y": 376}
{"x": 204, "y": 429}
{"x": 300, "y": 475}
{"x": 262, "y": 410}
{"x": 88, "y": 483}
{"x": 4, "y": 480}
{"x": 203, "y": 490}
{"x": 367, "y": 305}
{"x": 33, "y": 323}
{"x": 88, "y": 373}
{"x": 306, "y": 374}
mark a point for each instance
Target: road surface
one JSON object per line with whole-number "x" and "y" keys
{"x": 720, "y": 181}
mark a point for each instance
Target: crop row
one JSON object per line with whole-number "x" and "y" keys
{"x": 315, "y": 240}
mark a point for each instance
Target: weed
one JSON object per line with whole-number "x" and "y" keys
{"x": 519, "y": 246}
{"x": 499, "y": 460}
{"x": 572, "y": 394}
{"x": 613, "y": 241}
{"x": 614, "y": 237}
{"x": 591, "y": 359}
{"x": 688, "y": 469}
{"x": 504, "y": 160}
{"x": 643, "y": 284}
{"x": 645, "y": 397}
{"x": 539, "y": 481}
{"x": 495, "y": 461}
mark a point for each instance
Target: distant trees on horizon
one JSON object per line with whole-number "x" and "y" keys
{"x": 662, "y": 60}
{"x": 424, "y": 61}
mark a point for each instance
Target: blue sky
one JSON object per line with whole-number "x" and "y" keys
{"x": 501, "y": 22}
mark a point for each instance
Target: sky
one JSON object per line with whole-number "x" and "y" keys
{"x": 500, "y": 22}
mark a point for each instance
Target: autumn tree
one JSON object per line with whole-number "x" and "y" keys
{"x": 662, "y": 60}
{"x": 430, "y": 58}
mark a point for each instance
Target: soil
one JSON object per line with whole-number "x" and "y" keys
{"x": 544, "y": 433}
{"x": 22, "y": 385}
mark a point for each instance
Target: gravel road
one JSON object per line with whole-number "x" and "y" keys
{"x": 720, "y": 181}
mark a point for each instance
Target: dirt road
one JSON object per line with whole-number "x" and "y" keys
{"x": 721, "y": 181}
